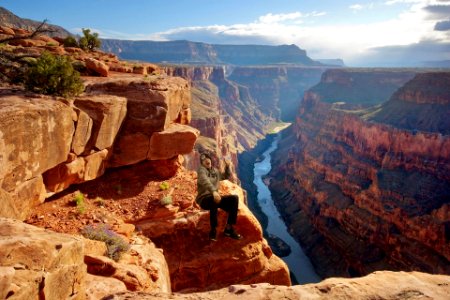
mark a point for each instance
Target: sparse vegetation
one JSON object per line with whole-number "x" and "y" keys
{"x": 70, "y": 41}
{"x": 166, "y": 200}
{"x": 99, "y": 201}
{"x": 164, "y": 186}
{"x": 89, "y": 41}
{"x": 115, "y": 245}
{"x": 78, "y": 199}
{"x": 53, "y": 75}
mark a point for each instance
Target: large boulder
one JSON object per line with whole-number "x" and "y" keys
{"x": 176, "y": 139}
{"x": 79, "y": 170}
{"x": 97, "y": 67}
{"x": 39, "y": 264}
{"x": 153, "y": 105}
{"x": 107, "y": 114}
{"x": 35, "y": 135}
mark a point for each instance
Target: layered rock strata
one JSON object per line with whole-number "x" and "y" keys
{"x": 364, "y": 196}
{"x": 48, "y": 144}
{"x": 422, "y": 104}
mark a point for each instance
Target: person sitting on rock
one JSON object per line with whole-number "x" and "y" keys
{"x": 208, "y": 197}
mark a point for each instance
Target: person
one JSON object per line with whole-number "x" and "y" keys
{"x": 208, "y": 197}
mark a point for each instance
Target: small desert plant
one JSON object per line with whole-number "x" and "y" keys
{"x": 166, "y": 200}
{"x": 115, "y": 245}
{"x": 53, "y": 75}
{"x": 52, "y": 44}
{"x": 164, "y": 185}
{"x": 100, "y": 201}
{"x": 78, "y": 199}
{"x": 70, "y": 41}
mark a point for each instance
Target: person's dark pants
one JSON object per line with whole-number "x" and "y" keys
{"x": 228, "y": 203}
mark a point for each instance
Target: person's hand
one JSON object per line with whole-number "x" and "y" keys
{"x": 217, "y": 197}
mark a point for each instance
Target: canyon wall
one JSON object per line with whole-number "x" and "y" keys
{"x": 362, "y": 196}
{"x": 278, "y": 90}
{"x": 201, "y": 53}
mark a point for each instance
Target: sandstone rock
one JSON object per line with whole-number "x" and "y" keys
{"x": 144, "y": 253}
{"x": 27, "y": 43}
{"x": 130, "y": 149}
{"x": 80, "y": 170}
{"x": 48, "y": 40}
{"x": 40, "y": 262}
{"x": 97, "y": 67}
{"x": 134, "y": 277}
{"x": 248, "y": 258}
{"x": 83, "y": 132}
{"x": 36, "y": 139}
{"x": 98, "y": 287}
{"x": 380, "y": 285}
{"x": 152, "y": 104}
{"x": 176, "y": 139}
{"x": 107, "y": 114}
{"x": 20, "y": 31}
{"x": 140, "y": 70}
{"x": 95, "y": 248}
{"x": 73, "y": 50}
{"x": 6, "y": 30}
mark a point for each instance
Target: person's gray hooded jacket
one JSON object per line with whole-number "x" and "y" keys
{"x": 208, "y": 181}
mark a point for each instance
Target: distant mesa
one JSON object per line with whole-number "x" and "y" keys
{"x": 337, "y": 62}
{"x": 201, "y": 53}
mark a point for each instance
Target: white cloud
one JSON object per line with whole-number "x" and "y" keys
{"x": 275, "y": 18}
{"x": 356, "y": 7}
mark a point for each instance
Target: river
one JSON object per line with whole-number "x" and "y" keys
{"x": 298, "y": 263}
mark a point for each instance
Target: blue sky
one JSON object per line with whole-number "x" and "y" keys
{"x": 360, "y": 32}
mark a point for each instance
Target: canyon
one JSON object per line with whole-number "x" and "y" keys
{"x": 361, "y": 190}
{"x": 139, "y": 128}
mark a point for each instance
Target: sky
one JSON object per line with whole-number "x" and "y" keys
{"x": 362, "y": 33}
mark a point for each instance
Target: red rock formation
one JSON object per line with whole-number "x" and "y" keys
{"x": 421, "y": 104}
{"x": 364, "y": 196}
{"x": 38, "y": 263}
{"x": 196, "y": 264}
{"x": 379, "y": 285}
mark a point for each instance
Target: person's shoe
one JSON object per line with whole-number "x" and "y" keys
{"x": 212, "y": 235}
{"x": 232, "y": 234}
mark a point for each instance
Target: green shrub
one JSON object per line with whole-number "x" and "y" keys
{"x": 53, "y": 75}
{"x": 78, "y": 199}
{"x": 115, "y": 245}
{"x": 89, "y": 41}
{"x": 164, "y": 185}
{"x": 166, "y": 200}
{"x": 70, "y": 41}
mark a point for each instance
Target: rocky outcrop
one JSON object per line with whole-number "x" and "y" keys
{"x": 48, "y": 144}
{"x": 35, "y": 135}
{"x": 201, "y": 53}
{"x": 204, "y": 265}
{"x": 379, "y": 285}
{"x": 364, "y": 196}
{"x": 422, "y": 104}
{"x": 36, "y": 263}
{"x": 152, "y": 106}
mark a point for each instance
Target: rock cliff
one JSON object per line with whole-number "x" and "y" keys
{"x": 364, "y": 196}
{"x": 421, "y": 104}
{"x": 351, "y": 88}
{"x": 277, "y": 90}
{"x": 201, "y": 53}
